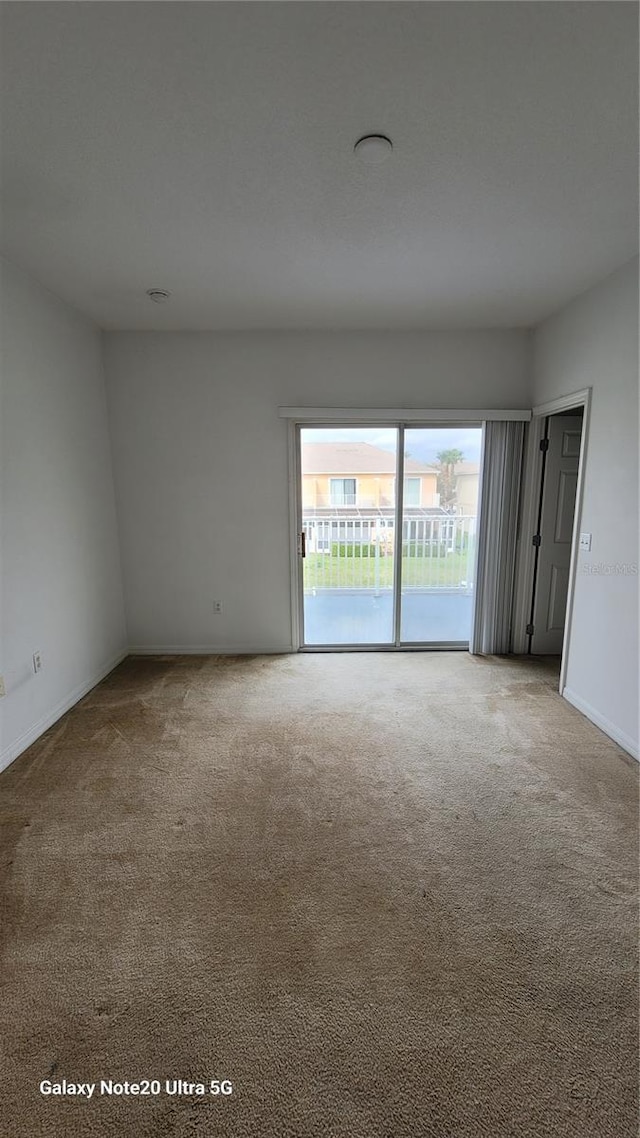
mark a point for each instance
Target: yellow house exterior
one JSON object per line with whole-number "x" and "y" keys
{"x": 370, "y": 490}
{"x": 467, "y": 476}
{"x": 361, "y": 476}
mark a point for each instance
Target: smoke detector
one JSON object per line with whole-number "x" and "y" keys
{"x": 373, "y": 149}
{"x": 158, "y": 295}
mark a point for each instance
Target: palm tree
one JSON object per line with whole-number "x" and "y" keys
{"x": 448, "y": 459}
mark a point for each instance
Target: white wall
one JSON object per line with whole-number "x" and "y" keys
{"x": 593, "y": 342}
{"x": 61, "y": 584}
{"x": 200, "y": 458}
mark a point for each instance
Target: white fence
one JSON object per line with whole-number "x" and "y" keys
{"x": 356, "y": 552}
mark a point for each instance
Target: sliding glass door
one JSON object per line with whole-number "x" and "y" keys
{"x": 387, "y": 534}
{"x": 439, "y": 517}
{"x": 348, "y": 493}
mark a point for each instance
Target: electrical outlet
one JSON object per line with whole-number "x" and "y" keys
{"x": 37, "y": 661}
{"x": 217, "y": 607}
{"x": 3, "y": 690}
{"x": 585, "y": 542}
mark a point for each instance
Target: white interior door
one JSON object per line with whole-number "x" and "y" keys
{"x": 555, "y": 532}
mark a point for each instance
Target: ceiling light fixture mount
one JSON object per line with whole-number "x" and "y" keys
{"x": 158, "y": 295}
{"x": 372, "y": 149}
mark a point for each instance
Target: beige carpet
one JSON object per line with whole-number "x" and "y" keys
{"x": 384, "y": 895}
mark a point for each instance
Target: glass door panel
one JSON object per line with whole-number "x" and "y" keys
{"x": 439, "y": 514}
{"x": 348, "y": 490}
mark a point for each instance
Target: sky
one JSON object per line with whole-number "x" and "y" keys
{"x": 422, "y": 443}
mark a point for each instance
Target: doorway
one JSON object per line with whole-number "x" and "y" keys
{"x": 560, "y": 446}
{"x": 559, "y": 410}
{"x": 386, "y": 535}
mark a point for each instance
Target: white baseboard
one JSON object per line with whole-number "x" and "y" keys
{"x": 25, "y": 740}
{"x": 601, "y": 721}
{"x": 10, "y": 753}
{"x": 210, "y": 650}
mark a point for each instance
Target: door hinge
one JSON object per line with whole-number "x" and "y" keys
{"x": 530, "y": 630}
{"x": 544, "y": 444}
{"x": 537, "y": 540}
{"x": 302, "y": 544}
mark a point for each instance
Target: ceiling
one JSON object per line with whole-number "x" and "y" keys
{"x": 207, "y": 148}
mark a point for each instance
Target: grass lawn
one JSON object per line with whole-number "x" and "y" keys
{"x": 324, "y": 571}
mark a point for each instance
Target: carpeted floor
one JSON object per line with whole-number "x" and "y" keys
{"x": 385, "y": 895}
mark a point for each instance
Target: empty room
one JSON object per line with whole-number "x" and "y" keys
{"x": 319, "y": 569}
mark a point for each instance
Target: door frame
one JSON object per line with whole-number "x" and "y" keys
{"x": 314, "y": 418}
{"x": 528, "y": 521}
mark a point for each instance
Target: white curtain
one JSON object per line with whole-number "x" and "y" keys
{"x": 499, "y": 501}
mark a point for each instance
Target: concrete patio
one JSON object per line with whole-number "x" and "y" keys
{"x": 362, "y": 616}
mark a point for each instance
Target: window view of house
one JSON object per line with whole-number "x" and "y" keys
{"x": 412, "y": 495}
{"x": 362, "y": 474}
{"x": 343, "y": 491}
